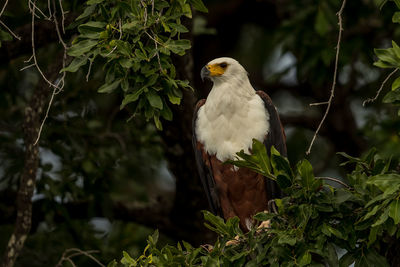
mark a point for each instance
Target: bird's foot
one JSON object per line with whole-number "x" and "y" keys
{"x": 264, "y": 226}
{"x": 232, "y": 242}
{"x": 208, "y": 247}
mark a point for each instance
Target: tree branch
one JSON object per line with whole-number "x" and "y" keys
{"x": 339, "y": 14}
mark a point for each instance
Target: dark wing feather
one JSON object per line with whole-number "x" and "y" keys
{"x": 204, "y": 167}
{"x": 275, "y": 137}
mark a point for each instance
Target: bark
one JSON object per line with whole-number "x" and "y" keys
{"x": 32, "y": 119}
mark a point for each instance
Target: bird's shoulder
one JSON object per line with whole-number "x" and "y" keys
{"x": 264, "y": 96}
{"x": 199, "y": 103}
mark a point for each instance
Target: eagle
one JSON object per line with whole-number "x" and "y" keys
{"x": 225, "y": 123}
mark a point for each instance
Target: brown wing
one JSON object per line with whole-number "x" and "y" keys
{"x": 276, "y": 137}
{"x": 204, "y": 167}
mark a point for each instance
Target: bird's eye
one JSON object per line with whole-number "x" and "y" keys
{"x": 223, "y": 65}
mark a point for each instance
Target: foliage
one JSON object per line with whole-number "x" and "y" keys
{"x": 390, "y": 58}
{"x": 136, "y": 39}
{"x": 314, "y": 223}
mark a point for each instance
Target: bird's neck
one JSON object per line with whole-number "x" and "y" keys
{"x": 231, "y": 89}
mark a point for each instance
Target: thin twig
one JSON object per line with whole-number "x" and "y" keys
{"x": 157, "y": 53}
{"x": 4, "y": 8}
{"x": 334, "y": 180}
{"x": 60, "y": 84}
{"x": 77, "y": 252}
{"x": 34, "y": 50}
{"x": 57, "y": 27}
{"x": 156, "y": 46}
{"x": 27, "y": 67}
{"x": 371, "y": 100}
{"x": 145, "y": 12}
{"x": 339, "y": 14}
{"x": 31, "y": 8}
{"x": 62, "y": 15}
{"x": 319, "y": 103}
{"x": 10, "y": 31}
{"x": 90, "y": 68}
{"x": 49, "y": 7}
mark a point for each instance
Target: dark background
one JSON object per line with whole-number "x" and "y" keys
{"x": 105, "y": 184}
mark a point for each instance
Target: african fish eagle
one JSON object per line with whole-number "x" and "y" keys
{"x": 225, "y": 123}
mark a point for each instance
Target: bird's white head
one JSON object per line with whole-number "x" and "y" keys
{"x": 224, "y": 69}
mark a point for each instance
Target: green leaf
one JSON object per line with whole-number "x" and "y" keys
{"x": 392, "y": 96}
{"x": 177, "y": 46}
{"x": 154, "y": 99}
{"x": 305, "y": 259}
{"x": 264, "y": 216}
{"x": 346, "y": 260}
{"x": 332, "y": 257}
{"x": 131, "y": 25}
{"x": 92, "y": 2}
{"x": 108, "y": 88}
{"x": 394, "y": 211}
{"x": 374, "y": 259}
{"x": 321, "y": 24}
{"x": 385, "y": 181}
{"x": 98, "y": 26}
{"x": 372, "y": 235}
{"x": 396, "y": 84}
{"x": 397, "y": 2}
{"x": 127, "y": 259}
{"x": 178, "y": 27}
{"x": 396, "y": 49}
{"x": 396, "y": 17}
{"x": 217, "y": 222}
{"x": 5, "y": 36}
{"x": 81, "y": 48}
{"x": 335, "y": 232}
{"x": 371, "y": 213}
{"x": 176, "y": 100}
{"x": 112, "y": 263}
{"x": 87, "y": 12}
{"x": 131, "y": 97}
{"x": 384, "y": 65}
{"x": 280, "y": 164}
{"x": 259, "y": 150}
{"x": 387, "y": 194}
{"x": 341, "y": 195}
{"x": 382, "y": 218}
{"x": 387, "y": 55}
{"x": 286, "y": 239}
{"x": 198, "y": 5}
{"x": 306, "y": 173}
{"x": 75, "y": 64}
{"x": 166, "y": 113}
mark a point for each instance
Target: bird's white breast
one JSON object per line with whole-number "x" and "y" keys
{"x": 228, "y": 122}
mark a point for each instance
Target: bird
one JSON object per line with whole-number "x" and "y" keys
{"x": 225, "y": 123}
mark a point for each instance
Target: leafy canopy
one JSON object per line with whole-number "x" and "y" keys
{"x": 313, "y": 221}
{"x": 135, "y": 40}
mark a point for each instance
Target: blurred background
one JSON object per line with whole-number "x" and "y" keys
{"x": 105, "y": 184}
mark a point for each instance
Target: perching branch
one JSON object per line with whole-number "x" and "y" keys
{"x": 371, "y": 100}
{"x": 329, "y": 102}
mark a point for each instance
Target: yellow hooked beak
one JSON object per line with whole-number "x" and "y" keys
{"x": 215, "y": 70}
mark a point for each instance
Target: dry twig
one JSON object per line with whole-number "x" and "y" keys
{"x": 73, "y": 252}
{"x": 371, "y": 100}
{"x": 334, "y": 180}
{"x": 329, "y": 102}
